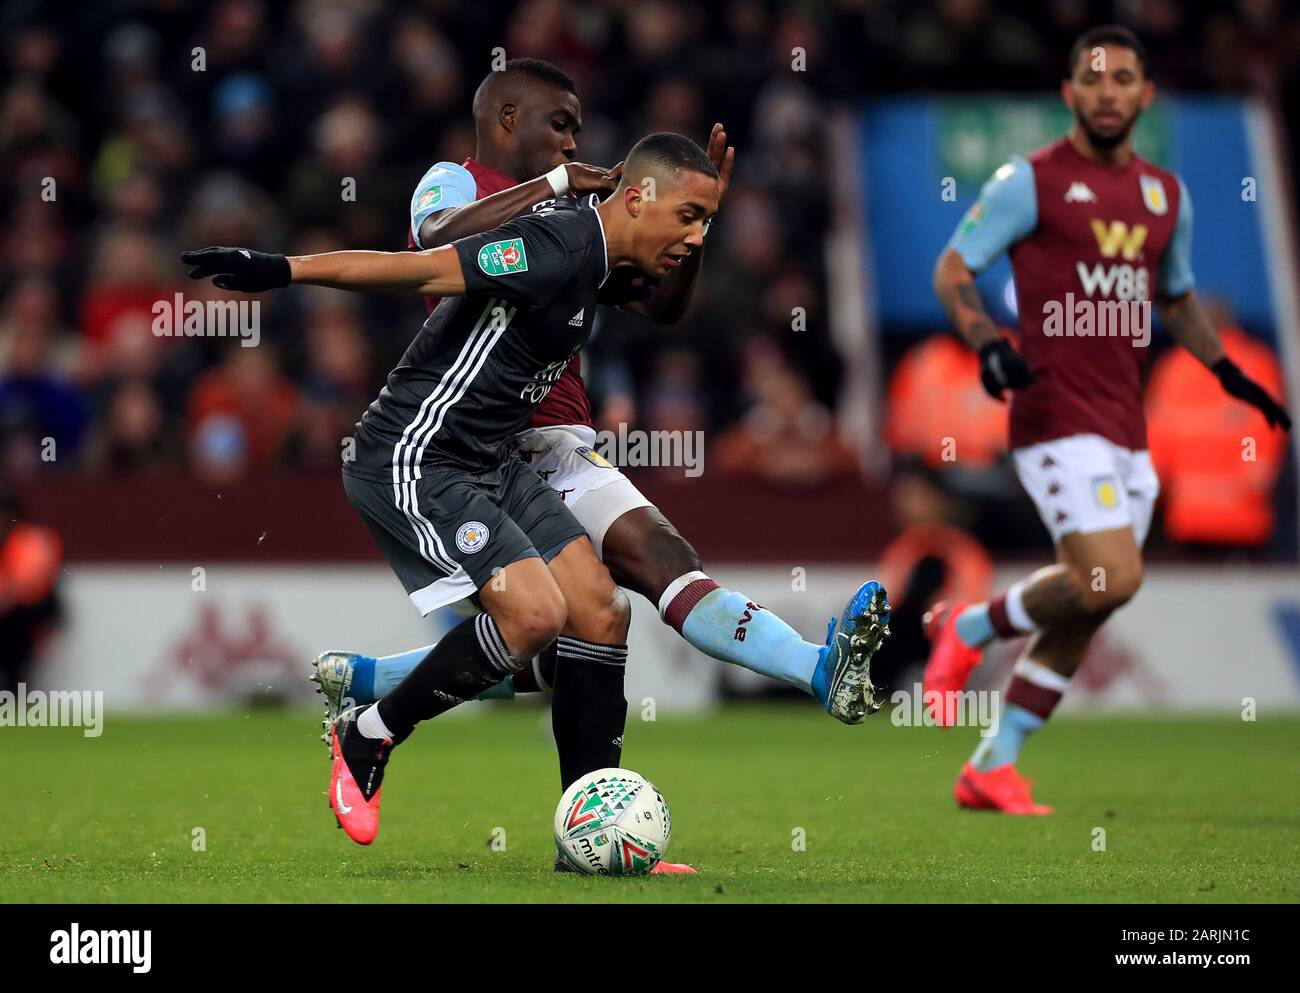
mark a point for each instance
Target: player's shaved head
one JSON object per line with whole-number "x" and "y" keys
{"x": 666, "y": 158}
{"x": 515, "y": 83}
{"x": 526, "y": 117}
{"x": 664, "y": 203}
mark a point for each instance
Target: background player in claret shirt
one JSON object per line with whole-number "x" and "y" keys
{"x": 526, "y": 119}
{"x": 1082, "y": 216}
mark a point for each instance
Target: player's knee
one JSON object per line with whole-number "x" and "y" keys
{"x": 1115, "y": 585}
{"x": 1127, "y": 584}
{"x": 535, "y": 624}
{"x": 546, "y": 622}
{"x": 618, "y": 616}
{"x": 604, "y": 617}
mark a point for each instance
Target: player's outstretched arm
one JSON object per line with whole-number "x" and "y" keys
{"x": 1001, "y": 366}
{"x": 1192, "y": 328}
{"x": 432, "y": 273}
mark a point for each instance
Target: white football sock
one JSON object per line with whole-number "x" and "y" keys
{"x": 1016, "y": 613}
{"x": 371, "y": 725}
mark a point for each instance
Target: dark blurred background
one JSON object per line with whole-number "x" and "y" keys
{"x": 149, "y": 156}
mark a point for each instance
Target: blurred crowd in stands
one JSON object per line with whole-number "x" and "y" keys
{"x": 131, "y": 129}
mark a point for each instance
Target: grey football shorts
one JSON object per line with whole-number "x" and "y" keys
{"x": 447, "y": 533}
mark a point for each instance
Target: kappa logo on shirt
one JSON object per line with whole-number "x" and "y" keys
{"x": 1079, "y": 193}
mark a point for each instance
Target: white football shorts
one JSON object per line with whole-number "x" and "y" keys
{"x": 593, "y": 488}
{"x": 1085, "y": 483}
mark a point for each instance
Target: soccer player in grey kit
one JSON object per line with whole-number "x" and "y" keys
{"x": 438, "y": 483}
{"x": 526, "y": 120}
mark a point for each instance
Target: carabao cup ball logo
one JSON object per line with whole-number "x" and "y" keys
{"x": 612, "y": 822}
{"x": 471, "y": 536}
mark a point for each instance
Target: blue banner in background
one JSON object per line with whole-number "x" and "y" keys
{"x": 909, "y": 146}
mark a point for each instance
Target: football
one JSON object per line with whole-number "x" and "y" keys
{"x": 612, "y": 822}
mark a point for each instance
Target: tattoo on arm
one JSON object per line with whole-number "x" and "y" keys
{"x": 978, "y": 327}
{"x": 968, "y": 295}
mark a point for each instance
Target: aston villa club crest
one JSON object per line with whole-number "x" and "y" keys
{"x": 1153, "y": 195}
{"x": 1105, "y": 492}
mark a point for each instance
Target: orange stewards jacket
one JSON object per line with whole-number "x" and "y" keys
{"x": 939, "y": 411}
{"x": 1217, "y": 458}
{"x": 30, "y": 560}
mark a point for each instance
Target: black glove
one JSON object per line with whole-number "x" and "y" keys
{"x": 239, "y": 269}
{"x": 1003, "y": 368}
{"x": 1236, "y": 383}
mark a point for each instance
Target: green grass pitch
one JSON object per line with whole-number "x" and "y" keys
{"x": 1193, "y": 810}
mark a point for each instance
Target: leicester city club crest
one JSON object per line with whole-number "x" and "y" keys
{"x": 471, "y": 536}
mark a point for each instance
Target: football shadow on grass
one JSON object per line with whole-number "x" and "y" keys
{"x": 461, "y": 871}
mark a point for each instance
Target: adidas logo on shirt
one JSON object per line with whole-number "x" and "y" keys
{"x": 576, "y": 319}
{"x": 1079, "y": 193}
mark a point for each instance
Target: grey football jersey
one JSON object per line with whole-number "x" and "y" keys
{"x": 483, "y": 362}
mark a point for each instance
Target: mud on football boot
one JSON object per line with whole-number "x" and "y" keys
{"x": 356, "y": 776}
{"x": 841, "y": 682}
{"x": 332, "y": 673}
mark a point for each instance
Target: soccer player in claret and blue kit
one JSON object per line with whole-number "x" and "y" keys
{"x": 1095, "y": 234}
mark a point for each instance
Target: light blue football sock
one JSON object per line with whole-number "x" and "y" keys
{"x": 1015, "y": 724}
{"x": 392, "y": 669}
{"x": 974, "y": 627}
{"x": 732, "y": 628}
{"x": 374, "y": 678}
